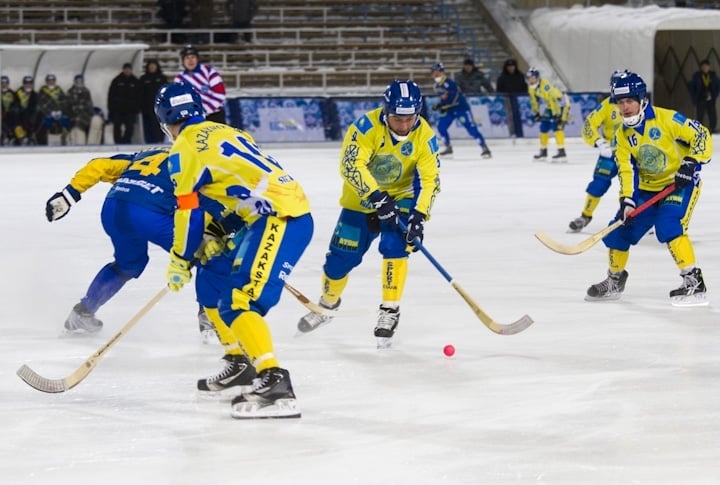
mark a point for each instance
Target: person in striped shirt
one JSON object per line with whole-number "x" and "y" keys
{"x": 206, "y": 81}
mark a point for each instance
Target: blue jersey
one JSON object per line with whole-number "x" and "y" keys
{"x": 451, "y": 97}
{"x": 146, "y": 182}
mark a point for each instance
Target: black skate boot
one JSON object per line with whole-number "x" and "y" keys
{"x": 207, "y": 329}
{"x": 236, "y": 377}
{"x": 576, "y": 225}
{"x": 388, "y": 319}
{"x": 273, "y": 397}
{"x": 541, "y": 156}
{"x": 81, "y": 320}
{"x": 692, "y": 292}
{"x": 447, "y": 151}
{"x": 485, "y": 152}
{"x": 608, "y": 289}
{"x": 313, "y": 320}
{"x": 560, "y": 156}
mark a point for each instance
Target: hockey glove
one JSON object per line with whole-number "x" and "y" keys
{"x": 178, "y": 272}
{"x": 59, "y": 204}
{"x": 415, "y": 228}
{"x": 627, "y": 205}
{"x": 606, "y": 150}
{"x": 385, "y": 207}
{"x": 211, "y": 247}
{"x": 686, "y": 172}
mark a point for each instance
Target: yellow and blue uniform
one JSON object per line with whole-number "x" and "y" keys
{"x": 137, "y": 211}
{"x": 648, "y": 157}
{"x": 552, "y": 106}
{"x": 600, "y": 124}
{"x": 372, "y": 159}
{"x": 213, "y": 164}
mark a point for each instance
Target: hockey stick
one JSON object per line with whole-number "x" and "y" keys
{"x": 312, "y": 306}
{"x": 503, "y": 329}
{"x": 595, "y": 238}
{"x": 44, "y": 384}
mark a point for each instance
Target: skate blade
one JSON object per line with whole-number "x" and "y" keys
{"x": 224, "y": 394}
{"x": 384, "y": 343}
{"x": 610, "y": 297}
{"x": 280, "y": 409}
{"x": 698, "y": 299}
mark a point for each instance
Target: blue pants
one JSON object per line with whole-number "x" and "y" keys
{"x": 605, "y": 170}
{"x": 669, "y": 217}
{"x": 466, "y": 119}
{"x": 261, "y": 262}
{"x": 352, "y": 237}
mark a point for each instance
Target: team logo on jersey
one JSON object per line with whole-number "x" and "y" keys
{"x": 406, "y": 149}
{"x": 654, "y": 133}
{"x": 651, "y": 159}
{"x": 385, "y": 168}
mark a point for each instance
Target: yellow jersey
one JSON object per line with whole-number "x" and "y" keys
{"x": 602, "y": 122}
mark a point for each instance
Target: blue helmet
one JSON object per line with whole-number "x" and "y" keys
{"x": 532, "y": 72}
{"x": 177, "y": 102}
{"x": 629, "y": 85}
{"x": 616, "y": 75}
{"x": 403, "y": 98}
{"x": 438, "y": 66}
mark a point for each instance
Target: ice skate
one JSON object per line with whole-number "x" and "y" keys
{"x": 692, "y": 292}
{"x": 447, "y": 151}
{"x": 541, "y": 156}
{"x": 273, "y": 397}
{"x": 313, "y": 320}
{"x": 559, "y": 157}
{"x": 207, "y": 329}
{"x": 608, "y": 289}
{"x": 236, "y": 377}
{"x": 576, "y": 225}
{"x": 388, "y": 319}
{"x": 485, "y": 152}
{"x": 81, "y": 321}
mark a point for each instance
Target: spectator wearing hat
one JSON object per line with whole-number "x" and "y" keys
{"x": 511, "y": 82}
{"x": 53, "y": 106}
{"x": 150, "y": 82}
{"x": 472, "y": 81}
{"x": 80, "y": 111}
{"x": 29, "y": 121}
{"x": 206, "y": 81}
{"x": 10, "y": 112}
{"x": 124, "y": 98}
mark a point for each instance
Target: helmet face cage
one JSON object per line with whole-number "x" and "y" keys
{"x": 403, "y": 98}
{"x": 177, "y": 102}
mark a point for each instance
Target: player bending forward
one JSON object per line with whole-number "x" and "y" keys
{"x": 390, "y": 172}
{"x": 650, "y": 148}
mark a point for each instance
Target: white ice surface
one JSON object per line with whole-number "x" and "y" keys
{"x": 623, "y": 392}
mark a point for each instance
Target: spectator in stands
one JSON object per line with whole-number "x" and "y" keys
{"x": 704, "y": 89}
{"x": 150, "y": 83}
{"x": 124, "y": 104}
{"x": 53, "y": 106}
{"x": 241, "y": 13}
{"x": 472, "y": 81}
{"x": 173, "y": 13}
{"x": 29, "y": 116}
{"x": 10, "y": 113}
{"x": 206, "y": 81}
{"x": 80, "y": 111}
{"x": 511, "y": 82}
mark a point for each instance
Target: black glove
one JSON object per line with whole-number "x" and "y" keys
{"x": 559, "y": 123}
{"x": 536, "y": 117}
{"x": 385, "y": 207}
{"x": 415, "y": 227}
{"x": 59, "y": 204}
{"x": 627, "y": 205}
{"x": 686, "y": 172}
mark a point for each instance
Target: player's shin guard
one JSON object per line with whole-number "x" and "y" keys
{"x": 253, "y": 333}
{"x": 332, "y": 289}
{"x": 223, "y": 333}
{"x": 394, "y": 274}
{"x": 682, "y": 252}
